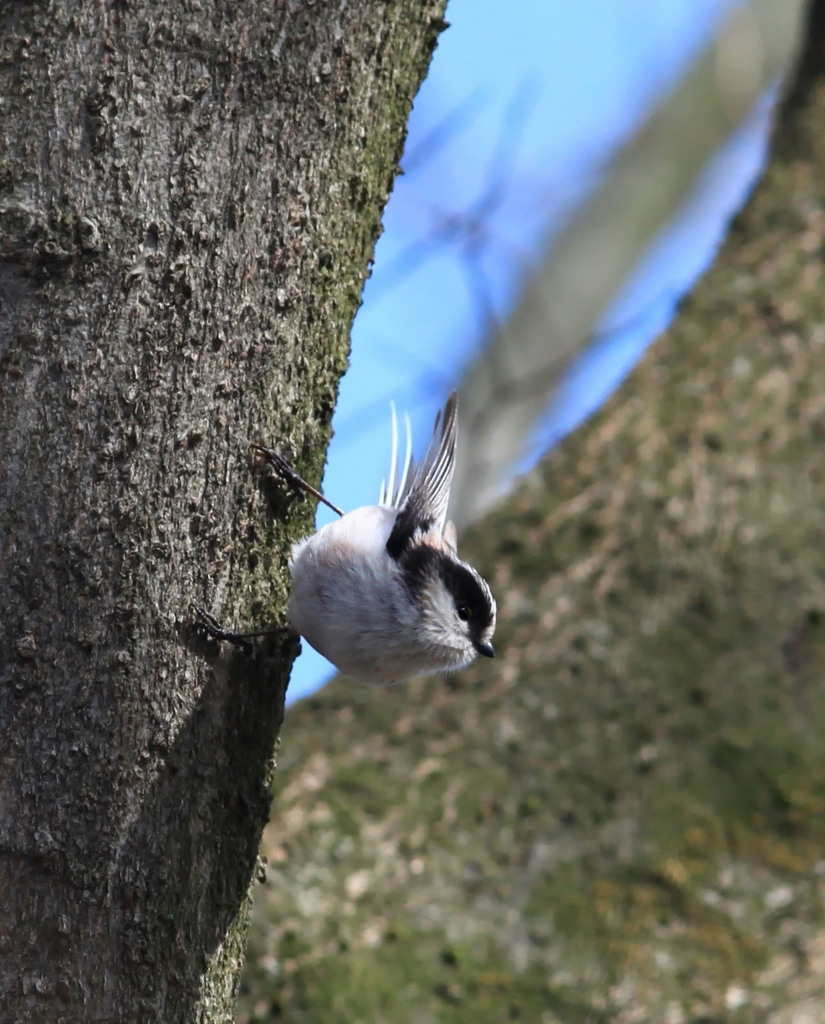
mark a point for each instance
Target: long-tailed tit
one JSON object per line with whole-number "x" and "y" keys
{"x": 381, "y": 592}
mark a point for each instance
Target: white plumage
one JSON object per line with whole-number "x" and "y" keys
{"x": 381, "y": 592}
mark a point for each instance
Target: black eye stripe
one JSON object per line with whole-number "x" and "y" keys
{"x": 468, "y": 591}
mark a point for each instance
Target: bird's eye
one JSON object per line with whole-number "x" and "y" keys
{"x": 463, "y": 612}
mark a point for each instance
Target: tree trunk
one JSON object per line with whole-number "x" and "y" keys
{"x": 622, "y": 818}
{"x": 189, "y": 194}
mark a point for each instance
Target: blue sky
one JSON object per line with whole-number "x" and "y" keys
{"x": 516, "y": 122}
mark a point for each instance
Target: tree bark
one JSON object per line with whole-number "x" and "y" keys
{"x": 189, "y": 194}
{"x": 622, "y": 818}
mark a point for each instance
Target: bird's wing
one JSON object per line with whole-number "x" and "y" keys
{"x": 422, "y": 503}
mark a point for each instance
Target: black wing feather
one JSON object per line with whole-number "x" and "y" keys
{"x": 423, "y": 506}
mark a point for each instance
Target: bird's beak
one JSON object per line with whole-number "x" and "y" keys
{"x": 486, "y": 650}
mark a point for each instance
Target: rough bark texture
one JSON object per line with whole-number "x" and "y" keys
{"x": 189, "y": 195}
{"x": 622, "y": 819}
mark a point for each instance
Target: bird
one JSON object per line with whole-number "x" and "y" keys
{"x": 381, "y": 592}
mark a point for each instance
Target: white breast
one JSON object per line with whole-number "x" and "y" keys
{"x": 347, "y": 597}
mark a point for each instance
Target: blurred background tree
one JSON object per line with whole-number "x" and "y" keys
{"x": 622, "y": 818}
{"x": 551, "y": 215}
